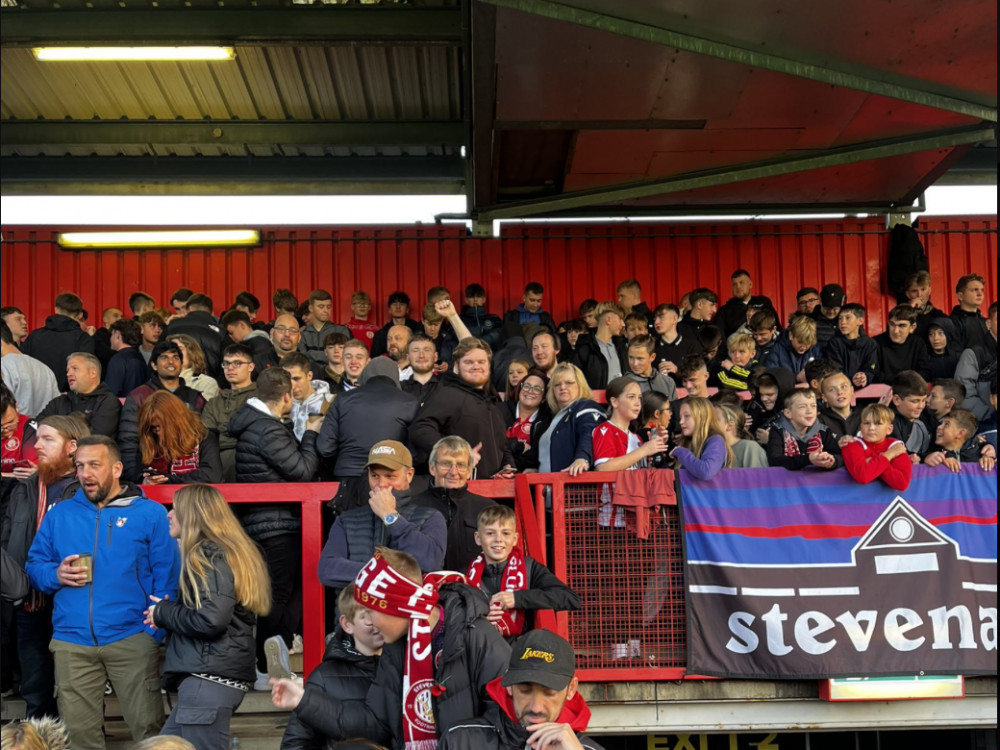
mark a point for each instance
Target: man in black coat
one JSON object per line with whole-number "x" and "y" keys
{"x": 356, "y": 420}
{"x": 60, "y": 337}
{"x": 970, "y": 323}
{"x": 450, "y": 467}
{"x": 267, "y": 451}
{"x": 199, "y": 324}
{"x": 88, "y": 396}
{"x": 127, "y": 368}
{"x": 733, "y": 314}
{"x": 603, "y": 355}
{"x": 466, "y": 405}
{"x": 536, "y": 703}
{"x": 529, "y": 311}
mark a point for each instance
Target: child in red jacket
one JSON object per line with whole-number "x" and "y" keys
{"x": 875, "y": 455}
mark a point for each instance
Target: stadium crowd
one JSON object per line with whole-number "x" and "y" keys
{"x": 403, "y": 415}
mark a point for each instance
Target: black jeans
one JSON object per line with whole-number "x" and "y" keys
{"x": 283, "y": 555}
{"x": 38, "y": 677}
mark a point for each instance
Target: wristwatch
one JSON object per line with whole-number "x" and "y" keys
{"x": 390, "y": 519}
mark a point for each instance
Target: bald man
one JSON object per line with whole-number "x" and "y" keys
{"x": 397, "y": 341}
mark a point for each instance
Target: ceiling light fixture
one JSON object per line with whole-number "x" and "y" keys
{"x": 180, "y": 238}
{"x": 125, "y": 54}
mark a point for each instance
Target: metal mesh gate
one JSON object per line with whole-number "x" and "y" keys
{"x": 631, "y": 624}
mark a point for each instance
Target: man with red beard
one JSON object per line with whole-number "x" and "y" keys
{"x": 30, "y": 500}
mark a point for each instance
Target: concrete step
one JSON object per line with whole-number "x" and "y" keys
{"x": 255, "y": 732}
{"x": 258, "y": 724}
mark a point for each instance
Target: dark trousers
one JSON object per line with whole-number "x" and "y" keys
{"x": 38, "y": 675}
{"x": 203, "y": 713}
{"x": 283, "y": 555}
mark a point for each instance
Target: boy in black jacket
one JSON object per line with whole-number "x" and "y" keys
{"x": 909, "y": 397}
{"x": 513, "y": 581}
{"x": 346, "y": 672}
{"x": 799, "y": 439}
{"x": 837, "y": 412}
{"x": 899, "y": 348}
{"x": 852, "y": 350}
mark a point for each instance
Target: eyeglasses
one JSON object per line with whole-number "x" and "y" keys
{"x": 533, "y": 388}
{"x": 232, "y": 364}
{"x": 452, "y": 466}
{"x": 284, "y": 329}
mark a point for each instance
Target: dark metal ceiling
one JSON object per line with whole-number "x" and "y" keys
{"x": 532, "y": 107}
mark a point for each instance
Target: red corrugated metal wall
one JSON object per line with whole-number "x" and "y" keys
{"x": 572, "y": 261}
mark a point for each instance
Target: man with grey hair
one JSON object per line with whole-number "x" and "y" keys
{"x": 450, "y": 467}
{"x": 87, "y": 396}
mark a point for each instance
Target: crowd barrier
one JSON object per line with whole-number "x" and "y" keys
{"x": 633, "y": 620}
{"x": 311, "y": 497}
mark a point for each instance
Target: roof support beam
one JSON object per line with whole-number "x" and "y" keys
{"x": 99, "y": 175}
{"x": 837, "y": 73}
{"x": 946, "y": 139}
{"x": 294, "y": 25}
{"x": 481, "y": 94}
{"x": 230, "y": 133}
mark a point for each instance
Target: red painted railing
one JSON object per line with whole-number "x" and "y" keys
{"x": 310, "y": 496}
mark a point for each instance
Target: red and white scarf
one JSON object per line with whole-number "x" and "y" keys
{"x": 515, "y": 579}
{"x": 813, "y": 444}
{"x": 382, "y": 588}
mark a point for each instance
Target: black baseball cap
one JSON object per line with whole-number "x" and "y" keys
{"x": 833, "y": 295}
{"x": 542, "y": 657}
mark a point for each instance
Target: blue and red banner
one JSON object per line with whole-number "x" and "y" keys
{"x": 808, "y": 574}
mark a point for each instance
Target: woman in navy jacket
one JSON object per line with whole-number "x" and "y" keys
{"x": 564, "y": 440}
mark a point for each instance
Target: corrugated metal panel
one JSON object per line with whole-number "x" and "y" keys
{"x": 273, "y": 83}
{"x": 573, "y": 262}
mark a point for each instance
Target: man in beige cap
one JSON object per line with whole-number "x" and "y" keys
{"x": 390, "y": 520}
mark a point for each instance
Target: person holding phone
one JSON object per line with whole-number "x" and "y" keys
{"x": 176, "y": 447}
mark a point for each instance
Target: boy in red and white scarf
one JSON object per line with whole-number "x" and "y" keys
{"x": 440, "y": 654}
{"x": 513, "y": 581}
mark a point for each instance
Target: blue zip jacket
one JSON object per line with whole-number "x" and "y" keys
{"x": 783, "y": 355}
{"x": 133, "y": 556}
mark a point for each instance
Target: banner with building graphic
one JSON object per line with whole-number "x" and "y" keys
{"x": 807, "y": 574}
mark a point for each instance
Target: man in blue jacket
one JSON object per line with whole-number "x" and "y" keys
{"x": 97, "y": 617}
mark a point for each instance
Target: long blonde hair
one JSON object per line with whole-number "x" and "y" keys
{"x": 704, "y": 427}
{"x": 204, "y": 516}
